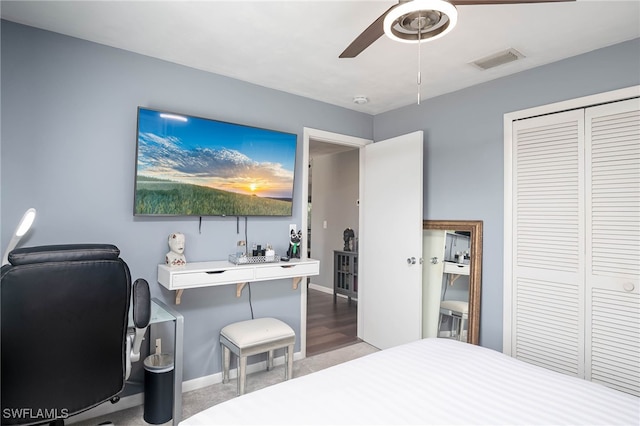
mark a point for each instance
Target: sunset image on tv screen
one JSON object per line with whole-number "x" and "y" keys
{"x": 190, "y": 166}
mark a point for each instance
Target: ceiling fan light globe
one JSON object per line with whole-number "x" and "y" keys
{"x": 398, "y": 13}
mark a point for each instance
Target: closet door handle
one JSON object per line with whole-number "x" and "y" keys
{"x": 628, "y": 286}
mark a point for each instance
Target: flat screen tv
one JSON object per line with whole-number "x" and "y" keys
{"x": 192, "y": 166}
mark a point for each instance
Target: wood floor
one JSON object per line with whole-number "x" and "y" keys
{"x": 330, "y": 326}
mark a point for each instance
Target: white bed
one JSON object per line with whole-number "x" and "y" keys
{"x": 432, "y": 381}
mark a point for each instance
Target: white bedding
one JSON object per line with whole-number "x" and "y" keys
{"x": 432, "y": 381}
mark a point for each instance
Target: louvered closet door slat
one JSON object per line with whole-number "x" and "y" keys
{"x": 548, "y": 263}
{"x": 612, "y": 148}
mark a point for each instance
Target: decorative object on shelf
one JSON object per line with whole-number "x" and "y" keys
{"x": 176, "y": 257}
{"x": 270, "y": 254}
{"x": 294, "y": 244}
{"x": 258, "y": 254}
{"x": 241, "y": 248}
{"x": 348, "y": 236}
{"x": 243, "y": 258}
{"x": 259, "y": 250}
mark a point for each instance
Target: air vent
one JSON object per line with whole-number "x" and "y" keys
{"x": 497, "y": 59}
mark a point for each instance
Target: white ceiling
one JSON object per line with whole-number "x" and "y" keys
{"x": 293, "y": 46}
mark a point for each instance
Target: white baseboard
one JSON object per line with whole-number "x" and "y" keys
{"x": 328, "y": 290}
{"x": 213, "y": 379}
{"x": 131, "y": 401}
{"x": 321, "y": 288}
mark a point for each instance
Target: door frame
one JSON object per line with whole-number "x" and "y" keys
{"x": 308, "y": 135}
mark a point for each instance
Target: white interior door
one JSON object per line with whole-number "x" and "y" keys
{"x": 390, "y": 248}
{"x": 433, "y": 252}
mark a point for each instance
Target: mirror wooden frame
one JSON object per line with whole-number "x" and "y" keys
{"x": 475, "y": 269}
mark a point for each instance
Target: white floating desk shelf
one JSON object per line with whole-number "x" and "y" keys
{"x": 455, "y": 270}
{"x": 223, "y": 272}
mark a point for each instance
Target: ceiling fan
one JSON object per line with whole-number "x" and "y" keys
{"x": 413, "y": 21}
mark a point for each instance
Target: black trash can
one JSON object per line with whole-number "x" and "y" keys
{"x": 158, "y": 388}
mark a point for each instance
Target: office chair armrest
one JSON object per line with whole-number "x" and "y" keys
{"x": 141, "y": 314}
{"x": 141, "y": 303}
{"x": 141, "y": 318}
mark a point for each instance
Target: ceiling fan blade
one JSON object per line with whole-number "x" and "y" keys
{"x": 376, "y": 29}
{"x": 367, "y": 37}
{"x": 479, "y": 2}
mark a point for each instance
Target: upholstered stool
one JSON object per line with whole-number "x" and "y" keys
{"x": 253, "y": 337}
{"x": 459, "y": 313}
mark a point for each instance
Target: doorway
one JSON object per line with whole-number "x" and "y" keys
{"x": 326, "y": 325}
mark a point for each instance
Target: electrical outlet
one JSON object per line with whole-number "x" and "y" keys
{"x": 293, "y": 227}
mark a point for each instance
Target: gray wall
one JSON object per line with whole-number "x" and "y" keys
{"x": 464, "y": 130}
{"x": 333, "y": 198}
{"x": 68, "y": 149}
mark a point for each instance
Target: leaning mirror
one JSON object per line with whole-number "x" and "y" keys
{"x": 452, "y": 279}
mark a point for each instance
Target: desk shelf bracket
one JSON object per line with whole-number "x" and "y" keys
{"x": 453, "y": 278}
{"x": 179, "y": 296}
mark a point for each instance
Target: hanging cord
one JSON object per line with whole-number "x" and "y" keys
{"x": 250, "y": 303}
{"x": 246, "y": 237}
{"x": 200, "y": 226}
{"x": 246, "y": 250}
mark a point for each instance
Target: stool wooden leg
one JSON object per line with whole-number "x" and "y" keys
{"x": 288, "y": 355}
{"x": 242, "y": 374}
{"x": 270, "y": 360}
{"x": 462, "y": 324}
{"x": 458, "y": 326}
{"x": 226, "y": 358}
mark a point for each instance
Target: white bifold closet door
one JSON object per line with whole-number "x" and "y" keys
{"x": 576, "y": 243}
{"x": 612, "y": 148}
{"x": 548, "y": 224}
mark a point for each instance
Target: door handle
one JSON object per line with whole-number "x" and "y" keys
{"x": 434, "y": 260}
{"x": 411, "y": 260}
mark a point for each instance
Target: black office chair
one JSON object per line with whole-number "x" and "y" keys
{"x": 66, "y": 342}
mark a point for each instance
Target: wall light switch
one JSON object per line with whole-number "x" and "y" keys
{"x": 324, "y": 224}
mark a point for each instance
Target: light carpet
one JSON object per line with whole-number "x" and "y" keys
{"x": 198, "y": 400}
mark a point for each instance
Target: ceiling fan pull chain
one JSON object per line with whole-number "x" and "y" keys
{"x": 419, "y": 74}
{"x": 419, "y": 60}
{"x": 418, "y": 87}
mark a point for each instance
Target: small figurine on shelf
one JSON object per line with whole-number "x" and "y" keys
{"x": 175, "y": 257}
{"x": 270, "y": 254}
{"x": 294, "y": 244}
{"x": 348, "y": 235}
